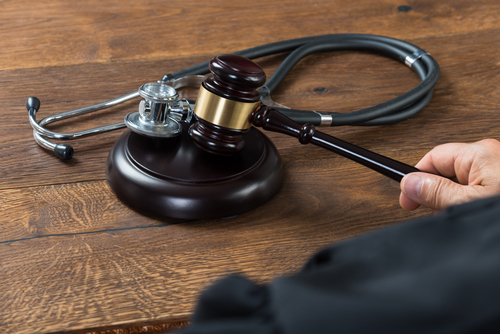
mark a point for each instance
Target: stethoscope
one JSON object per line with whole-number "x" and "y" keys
{"x": 161, "y": 110}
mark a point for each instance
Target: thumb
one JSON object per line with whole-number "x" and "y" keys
{"x": 433, "y": 191}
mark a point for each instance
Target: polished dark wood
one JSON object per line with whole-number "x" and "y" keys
{"x": 215, "y": 139}
{"x": 272, "y": 120}
{"x": 76, "y": 259}
{"x": 174, "y": 178}
{"x": 236, "y": 78}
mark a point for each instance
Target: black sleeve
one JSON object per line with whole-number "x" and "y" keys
{"x": 440, "y": 274}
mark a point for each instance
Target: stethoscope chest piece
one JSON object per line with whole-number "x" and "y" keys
{"x": 154, "y": 117}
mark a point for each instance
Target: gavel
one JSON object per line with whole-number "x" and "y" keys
{"x": 229, "y": 104}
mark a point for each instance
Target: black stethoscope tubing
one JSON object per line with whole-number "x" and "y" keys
{"x": 389, "y": 112}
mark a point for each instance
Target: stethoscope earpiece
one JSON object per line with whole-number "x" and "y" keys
{"x": 64, "y": 151}
{"x": 33, "y": 103}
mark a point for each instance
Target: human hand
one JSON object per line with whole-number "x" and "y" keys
{"x": 475, "y": 166}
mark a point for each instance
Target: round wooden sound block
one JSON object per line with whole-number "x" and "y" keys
{"x": 175, "y": 178}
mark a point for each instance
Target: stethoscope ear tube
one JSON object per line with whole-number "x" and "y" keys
{"x": 63, "y": 151}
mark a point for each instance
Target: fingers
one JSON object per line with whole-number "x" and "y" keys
{"x": 443, "y": 159}
{"x": 475, "y": 166}
{"x": 465, "y": 162}
{"x": 433, "y": 191}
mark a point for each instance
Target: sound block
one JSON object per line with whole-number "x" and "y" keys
{"x": 173, "y": 177}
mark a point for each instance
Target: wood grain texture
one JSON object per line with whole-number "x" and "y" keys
{"x": 75, "y": 259}
{"x": 94, "y": 31}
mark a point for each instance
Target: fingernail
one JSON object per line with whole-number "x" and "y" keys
{"x": 412, "y": 186}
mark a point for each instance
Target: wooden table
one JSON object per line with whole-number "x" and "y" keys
{"x": 74, "y": 258}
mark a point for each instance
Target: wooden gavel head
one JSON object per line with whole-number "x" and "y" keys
{"x": 225, "y": 104}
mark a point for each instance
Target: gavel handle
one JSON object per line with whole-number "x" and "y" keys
{"x": 272, "y": 120}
